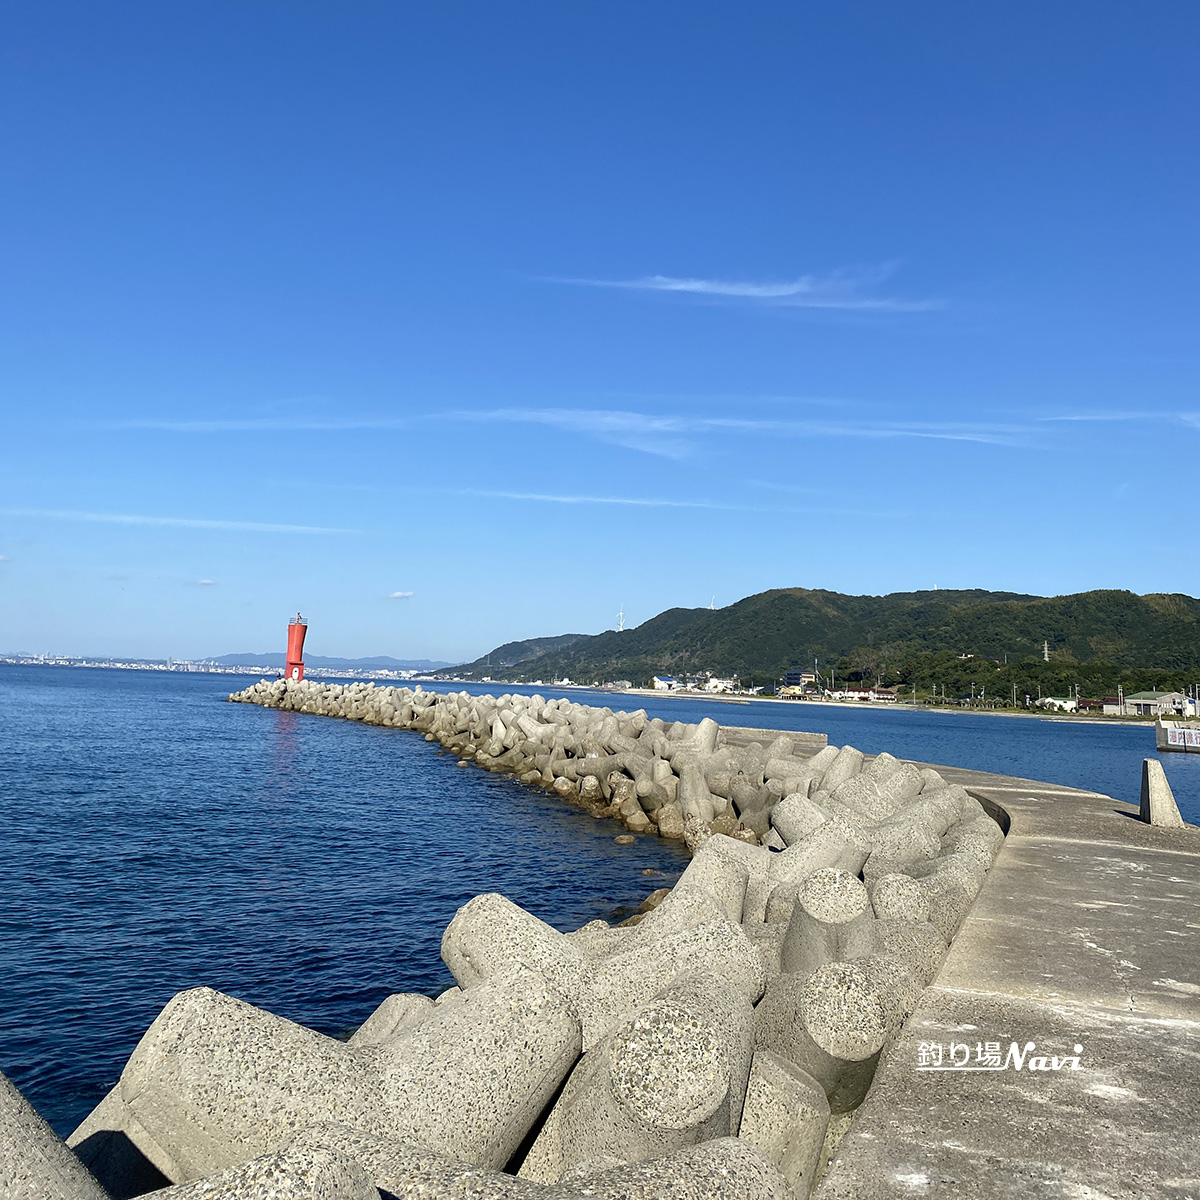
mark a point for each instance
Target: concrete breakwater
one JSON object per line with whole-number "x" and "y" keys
{"x": 718, "y": 1047}
{"x": 650, "y": 774}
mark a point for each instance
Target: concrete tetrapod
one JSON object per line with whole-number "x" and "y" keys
{"x": 832, "y": 844}
{"x": 490, "y": 934}
{"x": 795, "y": 817}
{"x": 720, "y": 1169}
{"x": 833, "y": 1022}
{"x": 34, "y": 1163}
{"x": 215, "y": 1081}
{"x": 672, "y": 1075}
{"x": 785, "y": 1116}
{"x": 296, "y": 1173}
{"x": 831, "y": 920}
{"x": 400, "y": 1011}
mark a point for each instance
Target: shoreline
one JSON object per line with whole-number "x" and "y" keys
{"x": 897, "y": 706}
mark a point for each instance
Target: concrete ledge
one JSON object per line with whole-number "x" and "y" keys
{"x": 1084, "y": 934}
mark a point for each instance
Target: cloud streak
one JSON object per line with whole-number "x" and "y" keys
{"x": 845, "y": 290}
{"x": 1103, "y": 417}
{"x": 62, "y": 514}
{"x": 626, "y": 501}
{"x": 1113, "y": 416}
{"x": 673, "y": 436}
{"x": 657, "y": 502}
{"x": 400, "y": 596}
{"x": 663, "y": 434}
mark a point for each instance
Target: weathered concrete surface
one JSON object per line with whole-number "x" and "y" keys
{"x": 1084, "y": 934}
{"x": 34, "y": 1163}
{"x": 1158, "y": 801}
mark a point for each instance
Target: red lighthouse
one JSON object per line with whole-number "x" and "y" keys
{"x": 297, "y": 628}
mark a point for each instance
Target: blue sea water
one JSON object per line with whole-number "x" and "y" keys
{"x": 156, "y": 838}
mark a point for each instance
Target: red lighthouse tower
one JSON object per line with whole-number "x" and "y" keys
{"x": 297, "y": 628}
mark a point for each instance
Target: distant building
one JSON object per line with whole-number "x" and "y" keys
{"x": 795, "y": 677}
{"x": 713, "y": 684}
{"x": 664, "y": 683}
{"x": 1157, "y": 704}
{"x": 878, "y": 695}
{"x": 1058, "y": 703}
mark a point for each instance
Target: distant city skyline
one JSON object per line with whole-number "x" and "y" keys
{"x": 454, "y": 325}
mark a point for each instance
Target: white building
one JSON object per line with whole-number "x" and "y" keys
{"x": 1157, "y": 704}
{"x": 664, "y": 683}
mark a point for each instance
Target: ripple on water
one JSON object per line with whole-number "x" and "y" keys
{"x": 158, "y": 838}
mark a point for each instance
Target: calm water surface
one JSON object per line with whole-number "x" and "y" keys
{"x": 156, "y": 838}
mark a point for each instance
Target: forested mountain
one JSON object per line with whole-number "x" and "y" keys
{"x": 902, "y": 638}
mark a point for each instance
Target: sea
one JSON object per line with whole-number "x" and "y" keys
{"x": 156, "y": 838}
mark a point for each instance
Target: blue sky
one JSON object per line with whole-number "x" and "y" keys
{"x": 455, "y": 323}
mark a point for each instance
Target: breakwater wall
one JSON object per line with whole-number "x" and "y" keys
{"x": 717, "y": 1046}
{"x": 652, "y": 775}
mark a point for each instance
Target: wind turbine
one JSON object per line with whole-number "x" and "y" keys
{"x": 621, "y": 620}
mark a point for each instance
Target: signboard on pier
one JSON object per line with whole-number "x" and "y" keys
{"x": 1169, "y": 736}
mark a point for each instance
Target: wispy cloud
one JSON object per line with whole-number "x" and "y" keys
{"x": 630, "y": 501}
{"x": 658, "y": 502}
{"x": 1105, "y": 416}
{"x": 400, "y": 596}
{"x": 673, "y": 436}
{"x": 62, "y": 514}
{"x": 846, "y": 289}
{"x": 5, "y": 558}
{"x": 204, "y": 583}
{"x": 665, "y": 435}
{"x": 1110, "y": 416}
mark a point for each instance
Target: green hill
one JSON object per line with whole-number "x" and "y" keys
{"x": 514, "y": 653}
{"x": 1100, "y": 638}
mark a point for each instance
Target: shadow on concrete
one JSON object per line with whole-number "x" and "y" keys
{"x": 119, "y": 1166}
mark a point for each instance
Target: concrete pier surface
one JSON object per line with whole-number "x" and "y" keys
{"x": 1085, "y": 933}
